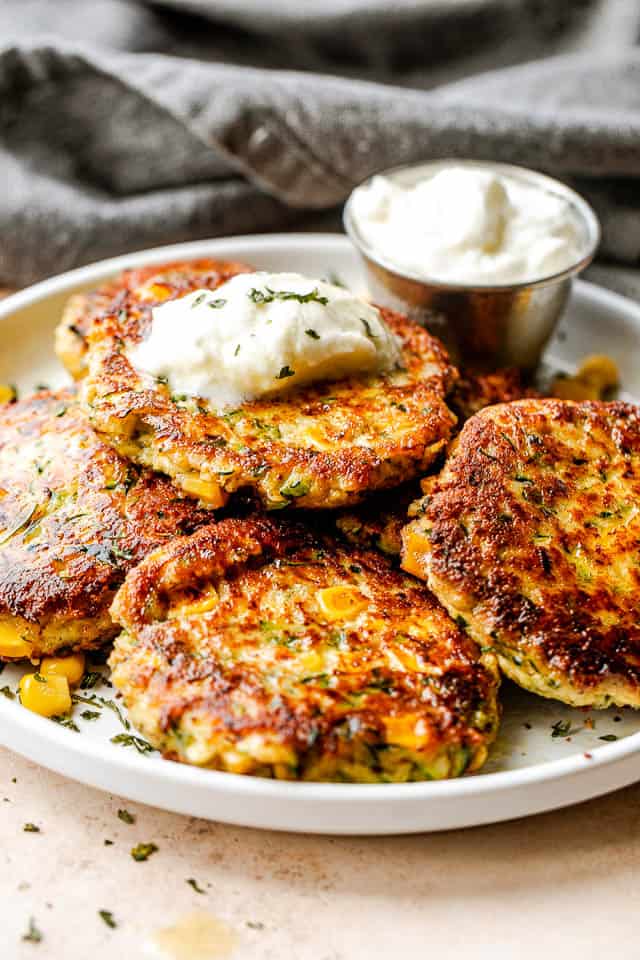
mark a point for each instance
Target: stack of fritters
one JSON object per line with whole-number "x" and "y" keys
{"x": 290, "y": 644}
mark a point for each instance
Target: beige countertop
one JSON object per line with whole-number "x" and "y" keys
{"x": 564, "y": 884}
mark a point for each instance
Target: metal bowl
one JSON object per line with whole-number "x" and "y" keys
{"x": 483, "y": 326}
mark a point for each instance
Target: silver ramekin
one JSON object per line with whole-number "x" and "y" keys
{"x": 483, "y": 326}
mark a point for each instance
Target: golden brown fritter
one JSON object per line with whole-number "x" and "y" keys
{"x": 325, "y": 445}
{"x": 135, "y": 292}
{"x": 253, "y": 647}
{"x": 74, "y": 517}
{"x": 531, "y": 535}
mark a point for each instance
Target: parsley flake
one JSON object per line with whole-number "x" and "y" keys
{"x": 126, "y": 817}
{"x": 194, "y": 883}
{"x": 31, "y": 828}
{"x": 312, "y": 333}
{"x": 268, "y": 296}
{"x": 142, "y": 851}
{"x": 33, "y": 935}
{"x": 128, "y": 740}
{"x": 107, "y": 916}
{"x": 285, "y": 372}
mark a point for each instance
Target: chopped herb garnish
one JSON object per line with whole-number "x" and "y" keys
{"x": 90, "y": 714}
{"x": 8, "y": 693}
{"x": 609, "y": 737}
{"x": 561, "y": 728}
{"x": 90, "y": 680}
{"x": 194, "y": 883}
{"x": 60, "y": 412}
{"x": 126, "y": 817}
{"x": 121, "y": 554}
{"x": 67, "y": 722}
{"x": 107, "y": 916}
{"x": 216, "y": 304}
{"x": 32, "y": 935}
{"x": 255, "y": 925}
{"x": 285, "y": 372}
{"x": 312, "y": 333}
{"x": 260, "y": 296}
{"x": 128, "y": 740}
{"x": 236, "y": 351}
{"x": 31, "y": 828}
{"x": 295, "y": 488}
{"x": 108, "y": 843}
{"x": 367, "y": 328}
{"x": 198, "y": 300}
{"x": 39, "y": 678}
{"x": 142, "y": 851}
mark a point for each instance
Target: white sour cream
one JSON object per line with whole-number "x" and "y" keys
{"x": 468, "y": 225}
{"x": 260, "y": 334}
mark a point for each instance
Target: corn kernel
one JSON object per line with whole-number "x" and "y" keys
{"x": 207, "y": 602}
{"x": 340, "y": 603}
{"x": 316, "y": 435}
{"x": 207, "y": 490}
{"x": 596, "y": 375}
{"x": 48, "y": 696}
{"x": 70, "y": 667}
{"x": 8, "y": 393}
{"x": 409, "y": 731}
{"x": 12, "y": 643}
{"x": 600, "y": 371}
{"x": 154, "y": 291}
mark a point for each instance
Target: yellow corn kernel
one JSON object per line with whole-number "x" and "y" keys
{"x": 8, "y": 393}
{"x": 408, "y": 731}
{"x": 572, "y": 388}
{"x": 600, "y": 371}
{"x": 341, "y": 603}
{"x": 207, "y": 602}
{"x": 316, "y": 435}
{"x": 71, "y": 667}
{"x": 12, "y": 643}
{"x": 154, "y": 291}
{"x": 48, "y": 696}
{"x": 207, "y": 490}
{"x": 596, "y": 375}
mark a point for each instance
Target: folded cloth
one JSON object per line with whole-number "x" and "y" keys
{"x": 104, "y": 151}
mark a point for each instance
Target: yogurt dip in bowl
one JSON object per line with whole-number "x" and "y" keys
{"x": 483, "y": 253}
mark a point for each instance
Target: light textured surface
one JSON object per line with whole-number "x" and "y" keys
{"x": 558, "y": 885}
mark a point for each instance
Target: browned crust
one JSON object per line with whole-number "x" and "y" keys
{"x": 81, "y": 515}
{"x": 135, "y": 292}
{"x": 205, "y": 665}
{"x": 378, "y": 430}
{"x": 532, "y": 534}
{"x": 474, "y": 391}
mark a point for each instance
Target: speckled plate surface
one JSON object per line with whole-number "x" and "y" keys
{"x": 546, "y": 756}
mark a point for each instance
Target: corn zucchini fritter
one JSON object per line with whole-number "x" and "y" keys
{"x": 325, "y": 445}
{"x": 531, "y": 535}
{"x": 253, "y": 647}
{"x": 74, "y": 517}
{"x": 136, "y": 292}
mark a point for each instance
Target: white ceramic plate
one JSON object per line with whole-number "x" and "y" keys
{"x": 530, "y": 770}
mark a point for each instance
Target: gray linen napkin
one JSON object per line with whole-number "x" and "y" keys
{"x": 104, "y": 151}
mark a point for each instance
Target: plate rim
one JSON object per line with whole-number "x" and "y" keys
{"x": 51, "y": 737}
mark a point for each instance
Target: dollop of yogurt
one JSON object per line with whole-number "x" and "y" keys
{"x": 467, "y": 225}
{"x": 261, "y": 334}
